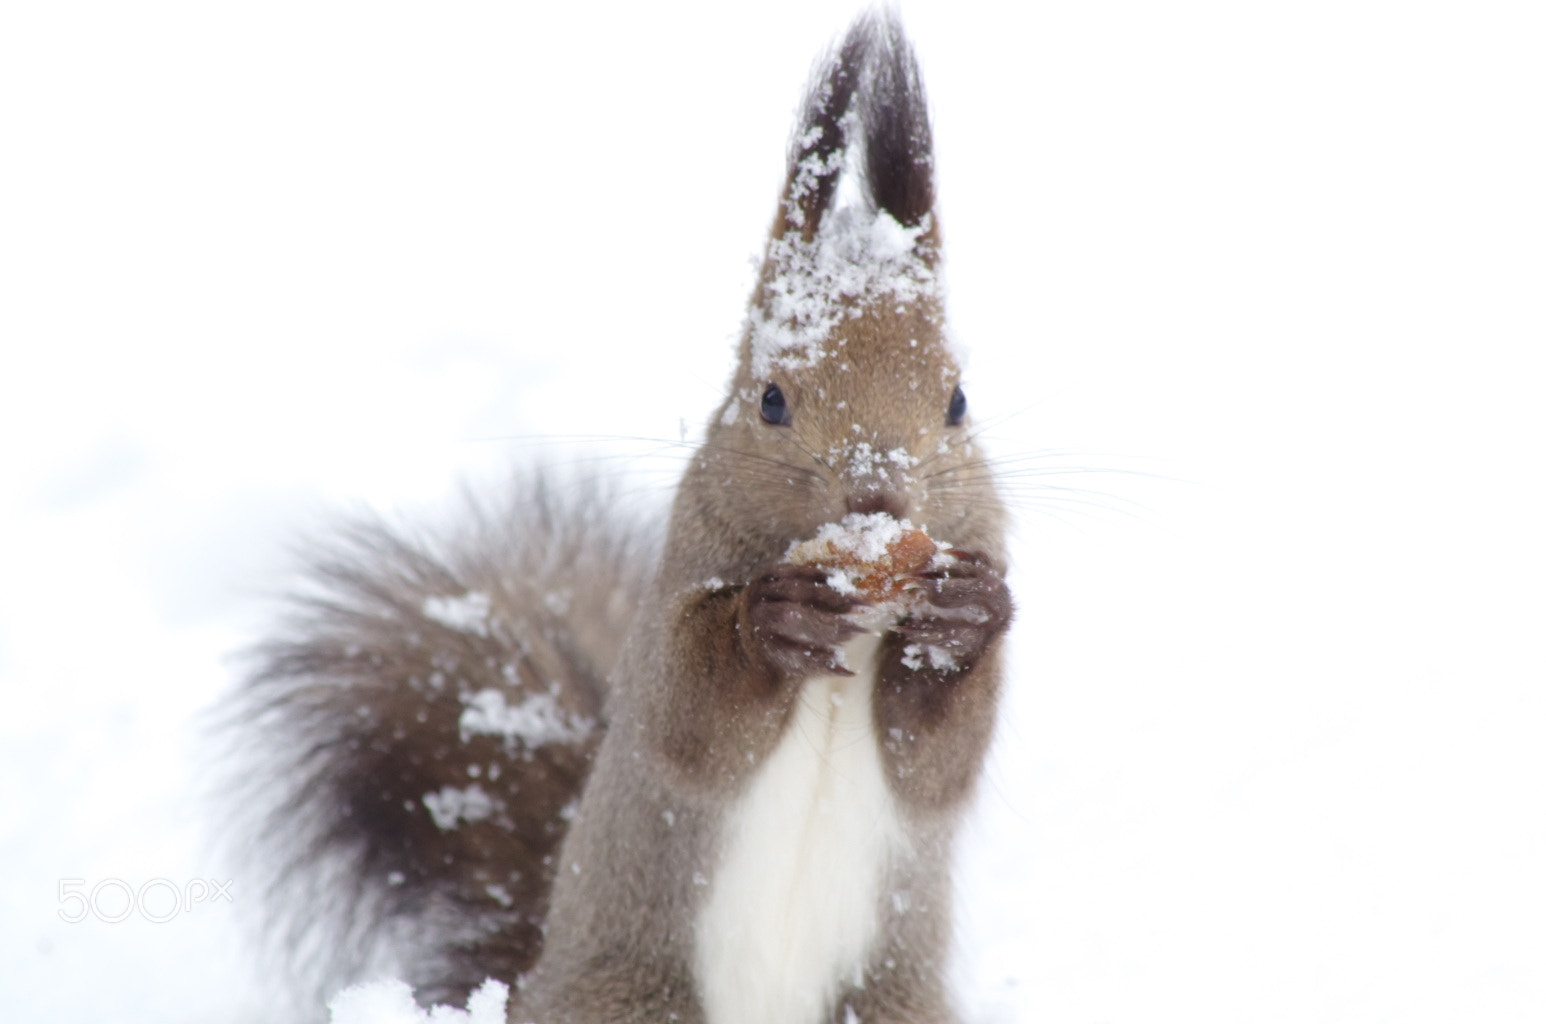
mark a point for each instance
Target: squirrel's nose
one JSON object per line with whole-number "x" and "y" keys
{"x": 878, "y": 499}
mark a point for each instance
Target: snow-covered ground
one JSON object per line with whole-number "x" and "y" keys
{"x": 1267, "y": 279}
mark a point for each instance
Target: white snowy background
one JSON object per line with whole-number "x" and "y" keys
{"x": 1274, "y": 272}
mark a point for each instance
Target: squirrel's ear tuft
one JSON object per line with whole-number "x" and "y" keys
{"x": 898, "y": 143}
{"x": 868, "y": 86}
{"x": 820, "y": 143}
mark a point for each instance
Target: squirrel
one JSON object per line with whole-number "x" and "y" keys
{"x": 676, "y": 777}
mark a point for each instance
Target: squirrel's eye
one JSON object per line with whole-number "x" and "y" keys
{"x": 957, "y": 411}
{"x": 774, "y": 409}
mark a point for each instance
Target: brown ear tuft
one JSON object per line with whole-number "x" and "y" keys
{"x": 898, "y": 143}
{"x": 870, "y": 82}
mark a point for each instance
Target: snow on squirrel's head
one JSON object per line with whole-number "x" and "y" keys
{"x": 845, "y": 371}
{"x": 855, "y": 233}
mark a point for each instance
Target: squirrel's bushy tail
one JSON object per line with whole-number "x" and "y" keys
{"x": 417, "y": 733}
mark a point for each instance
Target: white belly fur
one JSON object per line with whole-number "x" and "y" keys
{"x": 792, "y": 910}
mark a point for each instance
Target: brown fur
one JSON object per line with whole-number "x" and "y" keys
{"x": 354, "y": 713}
{"x": 706, "y": 688}
{"x": 365, "y": 691}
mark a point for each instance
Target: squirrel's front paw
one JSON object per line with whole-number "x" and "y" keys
{"x": 795, "y": 621}
{"x": 958, "y": 610}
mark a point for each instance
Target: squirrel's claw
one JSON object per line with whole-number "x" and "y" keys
{"x": 799, "y": 622}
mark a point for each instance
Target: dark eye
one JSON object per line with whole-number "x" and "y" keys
{"x": 774, "y": 409}
{"x": 953, "y": 416}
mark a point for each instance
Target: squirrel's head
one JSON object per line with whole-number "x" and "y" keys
{"x": 847, "y": 393}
